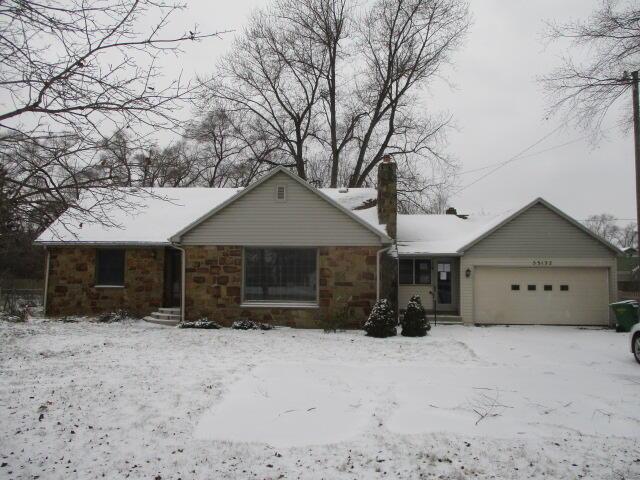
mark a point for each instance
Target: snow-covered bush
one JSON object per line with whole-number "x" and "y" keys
{"x": 14, "y": 308}
{"x": 414, "y": 322}
{"x": 203, "y": 323}
{"x": 382, "y": 321}
{"x": 111, "y": 317}
{"x": 246, "y": 324}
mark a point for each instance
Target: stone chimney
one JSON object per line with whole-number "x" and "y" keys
{"x": 388, "y": 195}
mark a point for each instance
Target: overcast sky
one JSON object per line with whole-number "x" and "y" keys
{"x": 498, "y": 107}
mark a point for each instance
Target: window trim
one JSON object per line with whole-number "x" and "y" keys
{"x": 97, "y": 268}
{"x": 413, "y": 270}
{"x": 244, "y": 303}
{"x": 284, "y": 192}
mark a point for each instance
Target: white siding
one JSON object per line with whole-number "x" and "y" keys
{"x": 405, "y": 292}
{"x": 258, "y": 218}
{"x": 539, "y": 232}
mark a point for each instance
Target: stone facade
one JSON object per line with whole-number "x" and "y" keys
{"x": 72, "y": 291}
{"x": 347, "y": 275}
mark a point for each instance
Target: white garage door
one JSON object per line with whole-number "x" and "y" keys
{"x": 552, "y": 296}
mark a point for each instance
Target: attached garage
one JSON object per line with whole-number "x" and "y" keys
{"x": 545, "y": 296}
{"x": 537, "y": 266}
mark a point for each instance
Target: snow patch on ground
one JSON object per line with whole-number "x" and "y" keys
{"x": 89, "y": 400}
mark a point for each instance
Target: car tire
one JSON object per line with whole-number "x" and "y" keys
{"x": 636, "y": 346}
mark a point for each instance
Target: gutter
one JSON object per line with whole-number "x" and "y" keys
{"x": 46, "y": 282}
{"x": 183, "y": 279}
{"x": 378, "y": 256}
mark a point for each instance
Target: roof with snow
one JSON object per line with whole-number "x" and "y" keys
{"x": 452, "y": 235}
{"x": 151, "y": 216}
{"x": 441, "y": 234}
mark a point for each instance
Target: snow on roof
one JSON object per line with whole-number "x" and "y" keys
{"x": 152, "y": 215}
{"x": 351, "y": 198}
{"x": 442, "y": 234}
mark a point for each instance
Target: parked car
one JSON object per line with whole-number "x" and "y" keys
{"x": 635, "y": 341}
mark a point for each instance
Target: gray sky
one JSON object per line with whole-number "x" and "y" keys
{"x": 498, "y": 107}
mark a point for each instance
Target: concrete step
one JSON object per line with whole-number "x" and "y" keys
{"x": 158, "y": 321}
{"x": 166, "y": 316}
{"x": 445, "y": 319}
{"x": 174, "y": 310}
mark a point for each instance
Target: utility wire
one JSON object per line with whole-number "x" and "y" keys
{"x": 513, "y": 158}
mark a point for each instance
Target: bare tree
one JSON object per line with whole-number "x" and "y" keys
{"x": 604, "y": 225}
{"x": 70, "y": 71}
{"x": 628, "y": 236}
{"x": 338, "y": 85}
{"x": 591, "y": 80}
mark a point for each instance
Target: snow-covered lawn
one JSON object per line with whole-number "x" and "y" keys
{"x": 87, "y": 400}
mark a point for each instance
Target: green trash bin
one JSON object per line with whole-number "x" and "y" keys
{"x": 626, "y": 314}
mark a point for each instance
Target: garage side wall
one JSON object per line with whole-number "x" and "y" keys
{"x": 533, "y": 239}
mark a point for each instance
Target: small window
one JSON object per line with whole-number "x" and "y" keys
{"x": 281, "y": 193}
{"x": 406, "y": 272}
{"x": 531, "y": 288}
{"x": 423, "y": 272}
{"x": 548, "y": 288}
{"x": 515, "y": 288}
{"x": 564, "y": 288}
{"x": 110, "y": 267}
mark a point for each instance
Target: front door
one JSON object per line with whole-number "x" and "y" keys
{"x": 172, "y": 273}
{"x": 444, "y": 285}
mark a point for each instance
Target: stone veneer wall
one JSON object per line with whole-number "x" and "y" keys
{"x": 214, "y": 287}
{"x": 71, "y": 288}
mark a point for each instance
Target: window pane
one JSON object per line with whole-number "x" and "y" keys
{"x": 531, "y": 288}
{"x": 423, "y": 272}
{"x": 515, "y": 288}
{"x": 109, "y": 267}
{"x": 406, "y": 272}
{"x": 280, "y": 274}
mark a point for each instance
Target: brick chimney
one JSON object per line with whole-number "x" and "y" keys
{"x": 388, "y": 195}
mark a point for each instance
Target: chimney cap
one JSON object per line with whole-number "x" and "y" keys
{"x": 386, "y": 158}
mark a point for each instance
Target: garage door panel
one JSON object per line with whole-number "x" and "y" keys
{"x": 583, "y": 302}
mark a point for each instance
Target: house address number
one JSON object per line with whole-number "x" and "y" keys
{"x": 542, "y": 263}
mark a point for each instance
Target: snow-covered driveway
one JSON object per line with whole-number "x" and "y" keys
{"x": 134, "y": 400}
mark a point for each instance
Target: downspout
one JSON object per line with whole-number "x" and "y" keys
{"x": 46, "y": 282}
{"x": 183, "y": 280}
{"x": 378, "y": 256}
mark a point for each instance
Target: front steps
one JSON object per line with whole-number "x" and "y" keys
{"x": 164, "y": 316}
{"x": 445, "y": 319}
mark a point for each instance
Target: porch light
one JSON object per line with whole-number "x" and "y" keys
{"x": 467, "y": 272}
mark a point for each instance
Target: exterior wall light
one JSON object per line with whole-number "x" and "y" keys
{"x": 467, "y": 272}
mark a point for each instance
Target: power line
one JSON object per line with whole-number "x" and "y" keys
{"x": 534, "y": 154}
{"x": 513, "y": 158}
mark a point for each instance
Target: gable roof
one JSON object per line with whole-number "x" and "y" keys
{"x": 365, "y": 219}
{"x": 151, "y": 216}
{"x": 452, "y": 235}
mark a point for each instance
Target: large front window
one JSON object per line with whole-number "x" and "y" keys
{"x": 280, "y": 275}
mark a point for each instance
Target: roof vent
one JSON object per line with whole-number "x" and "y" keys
{"x": 343, "y": 190}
